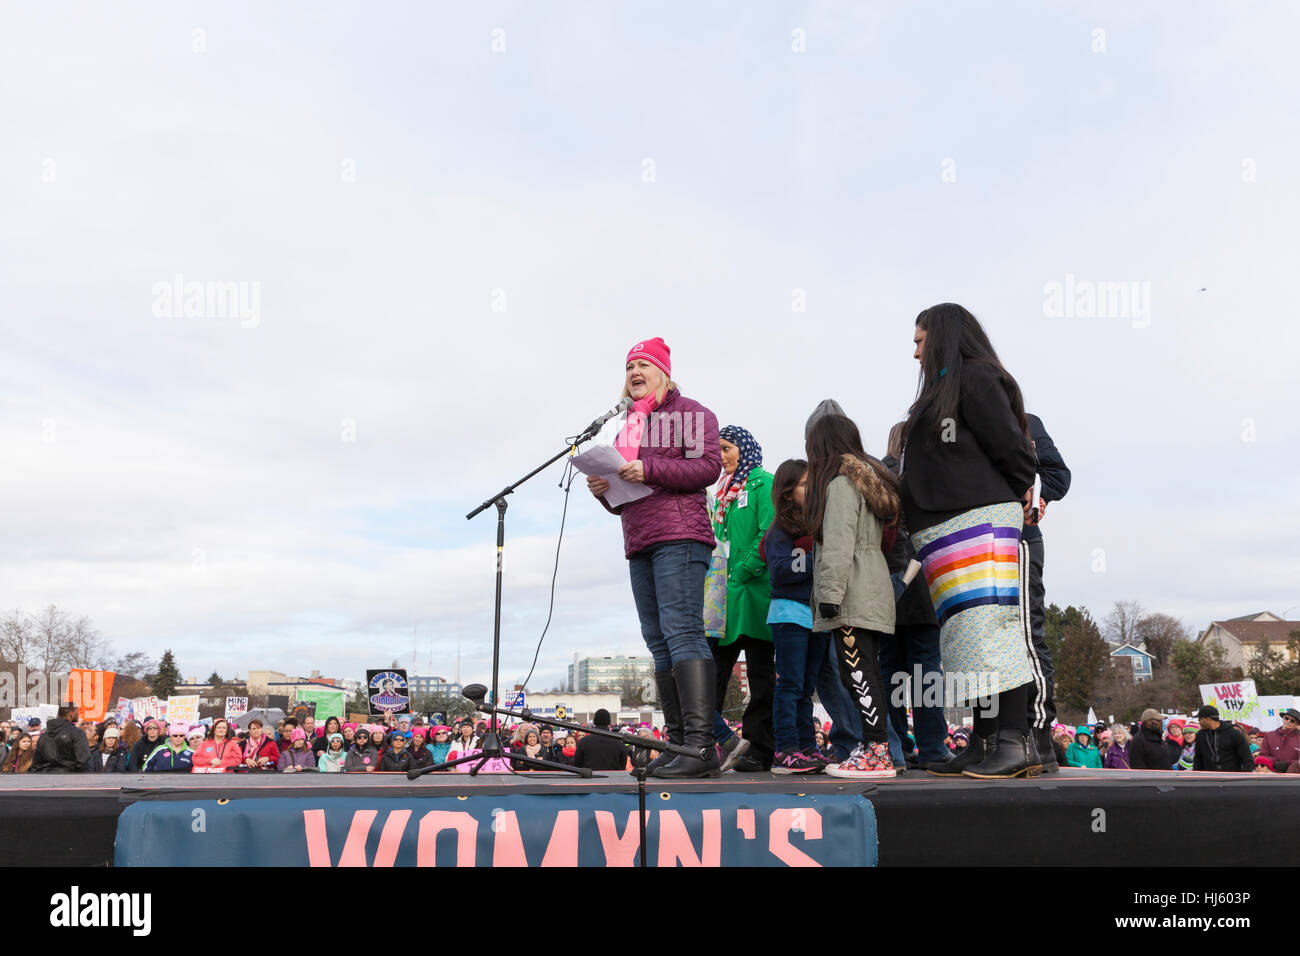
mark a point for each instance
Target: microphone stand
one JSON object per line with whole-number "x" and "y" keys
{"x": 491, "y": 740}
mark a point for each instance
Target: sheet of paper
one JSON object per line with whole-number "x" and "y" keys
{"x": 604, "y": 461}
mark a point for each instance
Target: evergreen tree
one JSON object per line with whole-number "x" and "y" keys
{"x": 214, "y": 680}
{"x": 1079, "y": 667}
{"x": 164, "y": 680}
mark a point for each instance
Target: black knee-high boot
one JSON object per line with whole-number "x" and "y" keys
{"x": 672, "y": 709}
{"x": 695, "y": 694}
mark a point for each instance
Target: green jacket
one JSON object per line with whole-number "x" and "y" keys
{"x": 849, "y": 569}
{"x": 749, "y": 590}
{"x": 1081, "y": 753}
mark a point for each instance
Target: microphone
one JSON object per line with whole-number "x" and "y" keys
{"x": 618, "y": 409}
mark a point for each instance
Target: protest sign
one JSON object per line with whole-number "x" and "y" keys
{"x": 90, "y": 691}
{"x": 329, "y": 702}
{"x": 146, "y": 707}
{"x": 19, "y": 716}
{"x": 1272, "y": 709}
{"x": 235, "y": 706}
{"x": 387, "y": 692}
{"x": 1235, "y": 700}
{"x": 184, "y": 708}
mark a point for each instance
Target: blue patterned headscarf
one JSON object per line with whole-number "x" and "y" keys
{"x": 751, "y": 456}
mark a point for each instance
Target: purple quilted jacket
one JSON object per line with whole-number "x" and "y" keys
{"x": 681, "y": 458}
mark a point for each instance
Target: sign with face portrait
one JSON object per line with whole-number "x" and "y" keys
{"x": 387, "y": 692}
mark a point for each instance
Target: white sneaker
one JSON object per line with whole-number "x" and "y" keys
{"x": 871, "y": 760}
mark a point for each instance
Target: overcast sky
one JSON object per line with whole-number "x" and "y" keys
{"x": 452, "y": 221}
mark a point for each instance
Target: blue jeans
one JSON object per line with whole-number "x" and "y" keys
{"x": 846, "y": 723}
{"x": 668, "y": 587}
{"x": 799, "y": 653}
{"x": 912, "y": 646}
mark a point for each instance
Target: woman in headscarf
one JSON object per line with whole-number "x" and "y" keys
{"x": 670, "y": 444}
{"x": 742, "y": 512}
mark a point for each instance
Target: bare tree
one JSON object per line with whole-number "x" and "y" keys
{"x": 629, "y": 687}
{"x": 1120, "y": 626}
{"x": 52, "y": 642}
{"x": 1158, "y": 632}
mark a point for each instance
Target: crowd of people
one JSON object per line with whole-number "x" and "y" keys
{"x": 1160, "y": 742}
{"x": 395, "y": 744}
{"x": 391, "y": 744}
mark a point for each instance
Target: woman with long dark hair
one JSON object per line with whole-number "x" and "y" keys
{"x": 967, "y": 471}
{"x": 670, "y": 444}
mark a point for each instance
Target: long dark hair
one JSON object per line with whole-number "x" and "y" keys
{"x": 953, "y": 339}
{"x": 829, "y": 440}
{"x": 788, "y": 514}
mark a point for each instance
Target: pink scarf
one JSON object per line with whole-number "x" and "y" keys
{"x": 629, "y": 439}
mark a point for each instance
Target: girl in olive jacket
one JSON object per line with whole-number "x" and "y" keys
{"x": 850, "y": 499}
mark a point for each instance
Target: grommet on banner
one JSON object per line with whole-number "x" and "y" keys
{"x": 222, "y": 801}
{"x": 665, "y": 795}
{"x": 462, "y": 797}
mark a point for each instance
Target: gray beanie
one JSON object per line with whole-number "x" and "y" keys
{"x": 827, "y": 407}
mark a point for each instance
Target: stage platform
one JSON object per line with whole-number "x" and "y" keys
{"x": 1070, "y": 818}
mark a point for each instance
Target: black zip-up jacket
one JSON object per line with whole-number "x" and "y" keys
{"x": 63, "y": 748}
{"x": 988, "y": 461}
{"x": 1052, "y": 470}
{"x": 118, "y": 760}
{"x": 1147, "y": 751}
{"x": 395, "y": 762}
{"x": 1223, "y": 749}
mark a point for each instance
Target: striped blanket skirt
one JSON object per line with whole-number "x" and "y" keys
{"x": 977, "y": 579}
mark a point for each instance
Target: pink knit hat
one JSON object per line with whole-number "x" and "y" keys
{"x": 656, "y": 352}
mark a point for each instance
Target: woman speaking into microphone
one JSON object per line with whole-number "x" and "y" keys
{"x": 671, "y": 445}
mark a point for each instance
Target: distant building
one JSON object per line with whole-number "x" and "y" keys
{"x": 258, "y": 681}
{"x": 1140, "y": 659}
{"x": 580, "y": 708}
{"x": 589, "y": 674}
{"x": 1242, "y": 637}
{"x": 431, "y": 686}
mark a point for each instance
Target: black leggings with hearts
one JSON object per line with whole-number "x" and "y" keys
{"x": 857, "y": 651}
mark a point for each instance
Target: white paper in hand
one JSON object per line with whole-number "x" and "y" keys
{"x": 604, "y": 461}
